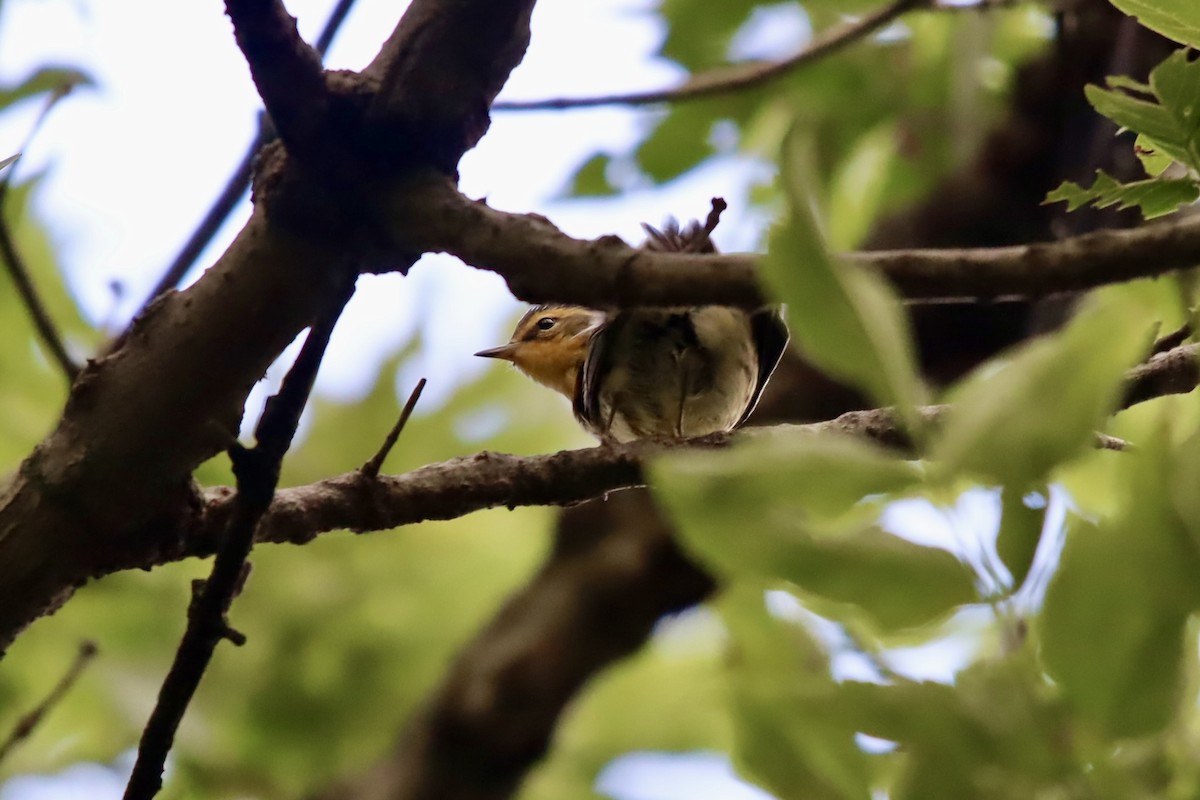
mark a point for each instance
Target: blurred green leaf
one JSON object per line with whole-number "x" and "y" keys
{"x": 1175, "y": 19}
{"x": 799, "y": 496}
{"x": 43, "y": 80}
{"x": 845, "y": 319}
{"x": 789, "y": 737}
{"x": 677, "y": 144}
{"x": 1014, "y": 423}
{"x": 1115, "y": 611}
{"x": 857, "y": 192}
{"x": 591, "y": 178}
{"x": 1019, "y": 535}
{"x": 996, "y": 733}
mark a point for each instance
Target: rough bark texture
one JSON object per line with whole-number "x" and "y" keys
{"x": 115, "y": 474}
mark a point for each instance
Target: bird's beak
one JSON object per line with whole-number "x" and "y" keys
{"x": 504, "y": 351}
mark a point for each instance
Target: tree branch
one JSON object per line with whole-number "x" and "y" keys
{"x": 115, "y": 473}
{"x": 23, "y": 281}
{"x": 257, "y": 472}
{"x": 22, "y": 278}
{"x": 239, "y": 180}
{"x": 287, "y": 72}
{"x": 27, "y": 724}
{"x": 451, "y": 489}
{"x": 542, "y": 264}
{"x": 731, "y": 78}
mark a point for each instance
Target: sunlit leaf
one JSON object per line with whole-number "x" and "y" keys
{"x": 1175, "y": 19}
{"x": 1155, "y": 197}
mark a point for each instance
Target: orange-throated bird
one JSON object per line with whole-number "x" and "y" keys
{"x": 670, "y": 372}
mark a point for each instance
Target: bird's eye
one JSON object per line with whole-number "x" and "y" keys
{"x": 546, "y": 323}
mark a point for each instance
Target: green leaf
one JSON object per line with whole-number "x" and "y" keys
{"x": 1171, "y": 115}
{"x": 801, "y": 499}
{"x": 677, "y": 144}
{"x": 591, "y": 179}
{"x": 46, "y": 79}
{"x": 1175, "y": 19}
{"x": 788, "y": 735}
{"x": 1156, "y": 197}
{"x": 1154, "y": 162}
{"x": 998, "y": 725}
{"x": 789, "y": 468}
{"x": 845, "y": 319}
{"x": 1113, "y": 626}
{"x": 1141, "y": 116}
{"x": 1013, "y": 424}
{"x": 858, "y": 187}
{"x": 1020, "y": 533}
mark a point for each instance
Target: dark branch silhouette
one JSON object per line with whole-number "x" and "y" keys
{"x": 723, "y": 80}
{"x": 542, "y": 264}
{"x": 257, "y": 472}
{"x": 239, "y": 180}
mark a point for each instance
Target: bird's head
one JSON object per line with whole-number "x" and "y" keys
{"x": 549, "y": 344}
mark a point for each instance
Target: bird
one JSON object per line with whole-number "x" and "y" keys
{"x": 652, "y": 372}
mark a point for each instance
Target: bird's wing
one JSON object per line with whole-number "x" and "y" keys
{"x": 770, "y": 335}
{"x": 596, "y": 362}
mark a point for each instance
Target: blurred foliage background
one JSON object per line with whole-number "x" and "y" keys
{"x": 963, "y": 658}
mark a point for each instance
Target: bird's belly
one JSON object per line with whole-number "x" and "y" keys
{"x": 678, "y": 392}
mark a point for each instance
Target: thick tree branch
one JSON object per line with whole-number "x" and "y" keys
{"x": 542, "y": 264}
{"x": 734, "y": 77}
{"x": 115, "y": 473}
{"x": 239, "y": 179}
{"x": 439, "y": 72}
{"x": 287, "y": 72}
{"x": 360, "y": 502}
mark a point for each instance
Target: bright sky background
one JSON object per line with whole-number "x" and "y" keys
{"x": 135, "y": 162}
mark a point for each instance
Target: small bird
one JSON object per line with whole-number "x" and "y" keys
{"x": 666, "y": 372}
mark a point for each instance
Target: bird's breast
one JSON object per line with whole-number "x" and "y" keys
{"x": 686, "y": 372}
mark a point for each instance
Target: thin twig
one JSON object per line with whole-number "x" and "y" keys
{"x": 1172, "y": 340}
{"x": 333, "y": 24}
{"x": 18, "y": 270}
{"x": 1105, "y": 442}
{"x": 28, "y": 723}
{"x": 257, "y": 473}
{"x": 239, "y": 181}
{"x": 372, "y": 467}
{"x": 732, "y": 78}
